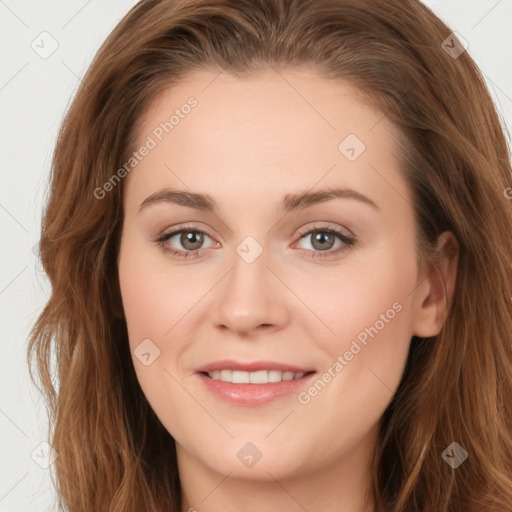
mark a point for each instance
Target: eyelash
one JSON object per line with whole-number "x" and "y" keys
{"x": 346, "y": 239}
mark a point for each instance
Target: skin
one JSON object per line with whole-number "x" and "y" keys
{"x": 248, "y": 143}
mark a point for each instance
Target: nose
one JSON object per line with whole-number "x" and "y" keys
{"x": 252, "y": 297}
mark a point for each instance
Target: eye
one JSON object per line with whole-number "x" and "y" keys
{"x": 323, "y": 239}
{"x": 190, "y": 238}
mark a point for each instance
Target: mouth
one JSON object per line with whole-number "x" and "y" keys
{"x": 253, "y": 384}
{"x": 257, "y": 377}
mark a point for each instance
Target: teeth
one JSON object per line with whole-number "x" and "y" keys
{"x": 259, "y": 377}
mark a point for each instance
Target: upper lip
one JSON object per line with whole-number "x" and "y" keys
{"x": 251, "y": 366}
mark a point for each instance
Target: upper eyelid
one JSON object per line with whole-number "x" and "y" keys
{"x": 326, "y": 226}
{"x": 302, "y": 231}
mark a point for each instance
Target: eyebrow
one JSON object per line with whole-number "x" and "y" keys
{"x": 291, "y": 202}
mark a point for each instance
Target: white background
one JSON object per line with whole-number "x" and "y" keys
{"x": 34, "y": 94}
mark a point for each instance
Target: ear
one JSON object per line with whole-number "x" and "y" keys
{"x": 435, "y": 293}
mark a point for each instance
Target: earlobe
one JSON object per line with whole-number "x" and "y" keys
{"x": 438, "y": 289}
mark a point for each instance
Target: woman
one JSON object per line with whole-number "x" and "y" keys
{"x": 338, "y": 334}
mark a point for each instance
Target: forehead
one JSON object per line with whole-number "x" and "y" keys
{"x": 263, "y": 132}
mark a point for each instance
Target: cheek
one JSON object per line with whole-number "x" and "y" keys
{"x": 158, "y": 303}
{"x": 368, "y": 309}
{"x": 152, "y": 306}
{"x": 370, "y": 292}
{"x": 154, "y": 297}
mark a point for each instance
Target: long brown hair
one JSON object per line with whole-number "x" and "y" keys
{"x": 113, "y": 452}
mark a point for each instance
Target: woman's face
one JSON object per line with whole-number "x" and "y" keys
{"x": 260, "y": 290}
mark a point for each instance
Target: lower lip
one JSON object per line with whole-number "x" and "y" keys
{"x": 254, "y": 395}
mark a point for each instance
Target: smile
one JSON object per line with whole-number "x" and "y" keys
{"x": 259, "y": 377}
{"x": 254, "y": 389}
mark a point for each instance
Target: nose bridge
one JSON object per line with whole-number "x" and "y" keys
{"x": 251, "y": 296}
